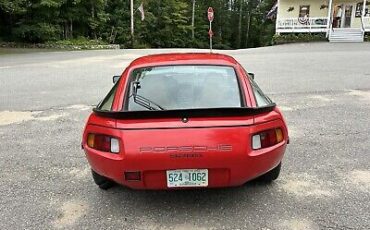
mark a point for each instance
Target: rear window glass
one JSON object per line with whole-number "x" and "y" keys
{"x": 183, "y": 87}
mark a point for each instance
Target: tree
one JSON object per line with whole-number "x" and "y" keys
{"x": 10, "y": 11}
{"x": 168, "y": 23}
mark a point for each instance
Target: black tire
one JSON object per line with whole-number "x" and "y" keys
{"x": 271, "y": 175}
{"x": 103, "y": 182}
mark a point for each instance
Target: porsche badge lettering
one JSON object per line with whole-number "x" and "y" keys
{"x": 186, "y": 149}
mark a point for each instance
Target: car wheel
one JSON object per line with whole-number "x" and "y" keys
{"x": 101, "y": 181}
{"x": 271, "y": 175}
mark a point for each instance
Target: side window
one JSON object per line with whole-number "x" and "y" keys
{"x": 107, "y": 102}
{"x": 304, "y": 11}
{"x": 261, "y": 98}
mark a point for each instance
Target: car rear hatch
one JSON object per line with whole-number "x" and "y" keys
{"x": 156, "y": 141}
{"x": 156, "y": 145}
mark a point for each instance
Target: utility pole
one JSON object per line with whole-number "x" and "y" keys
{"x": 192, "y": 21}
{"x": 132, "y": 23}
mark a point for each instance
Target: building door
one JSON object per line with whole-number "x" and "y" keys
{"x": 347, "y": 16}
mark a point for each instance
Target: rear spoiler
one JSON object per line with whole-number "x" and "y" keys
{"x": 185, "y": 113}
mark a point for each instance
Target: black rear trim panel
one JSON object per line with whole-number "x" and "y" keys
{"x": 185, "y": 113}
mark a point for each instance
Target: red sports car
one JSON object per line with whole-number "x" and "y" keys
{"x": 184, "y": 121}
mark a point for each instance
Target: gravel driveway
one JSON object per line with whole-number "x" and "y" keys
{"x": 322, "y": 88}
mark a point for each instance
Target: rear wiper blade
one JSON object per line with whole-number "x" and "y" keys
{"x": 145, "y": 102}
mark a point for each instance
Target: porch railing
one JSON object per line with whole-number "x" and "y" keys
{"x": 309, "y": 24}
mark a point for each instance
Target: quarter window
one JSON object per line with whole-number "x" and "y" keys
{"x": 107, "y": 102}
{"x": 261, "y": 98}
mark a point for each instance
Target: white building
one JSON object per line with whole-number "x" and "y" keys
{"x": 340, "y": 20}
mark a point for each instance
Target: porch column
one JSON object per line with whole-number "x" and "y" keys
{"x": 277, "y": 17}
{"x": 363, "y": 8}
{"x": 328, "y": 27}
{"x": 363, "y": 15}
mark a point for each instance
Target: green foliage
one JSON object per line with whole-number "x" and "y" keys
{"x": 13, "y": 6}
{"x": 80, "y": 41}
{"x": 367, "y": 37}
{"x": 174, "y": 27}
{"x": 294, "y": 38}
{"x": 39, "y": 32}
{"x": 167, "y": 22}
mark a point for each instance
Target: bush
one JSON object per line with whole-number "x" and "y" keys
{"x": 65, "y": 45}
{"x": 197, "y": 43}
{"x": 221, "y": 46}
{"x": 142, "y": 46}
{"x": 367, "y": 38}
{"x": 39, "y": 32}
{"x": 294, "y": 38}
{"x": 80, "y": 41}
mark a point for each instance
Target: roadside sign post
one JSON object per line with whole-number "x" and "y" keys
{"x": 210, "y": 14}
{"x": 210, "y": 33}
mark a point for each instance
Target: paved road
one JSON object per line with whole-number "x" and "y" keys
{"x": 323, "y": 89}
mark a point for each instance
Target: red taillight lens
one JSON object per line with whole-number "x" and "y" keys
{"x": 103, "y": 143}
{"x": 267, "y": 138}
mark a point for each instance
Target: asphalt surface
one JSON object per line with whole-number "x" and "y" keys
{"x": 323, "y": 90}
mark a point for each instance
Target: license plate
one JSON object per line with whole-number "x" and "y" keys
{"x": 187, "y": 178}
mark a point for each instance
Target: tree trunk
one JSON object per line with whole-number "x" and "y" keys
{"x": 240, "y": 24}
{"x": 71, "y": 28}
{"x": 221, "y": 18}
{"x": 114, "y": 37}
{"x": 11, "y": 25}
{"x": 192, "y": 21}
{"x": 249, "y": 18}
{"x": 65, "y": 29}
{"x": 111, "y": 35}
{"x": 93, "y": 17}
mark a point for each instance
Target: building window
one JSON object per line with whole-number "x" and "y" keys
{"x": 304, "y": 11}
{"x": 359, "y": 9}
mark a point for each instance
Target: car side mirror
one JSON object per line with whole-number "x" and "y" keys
{"x": 251, "y": 75}
{"x": 115, "y": 79}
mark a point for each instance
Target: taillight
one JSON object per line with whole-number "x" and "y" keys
{"x": 103, "y": 142}
{"x": 267, "y": 138}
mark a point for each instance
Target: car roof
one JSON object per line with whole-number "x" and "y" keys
{"x": 184, "y": 58}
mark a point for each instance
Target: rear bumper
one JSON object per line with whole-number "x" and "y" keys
{"x": 224, "y": 170}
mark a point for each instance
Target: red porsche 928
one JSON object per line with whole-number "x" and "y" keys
{"x": 184, "y": 120}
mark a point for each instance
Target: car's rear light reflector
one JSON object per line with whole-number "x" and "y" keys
{"x": 103, "y": 143}
{"x": 267, "y": 138}
{"x": 256, "y": 142}
{"x": 136, "y": 175}
{"x": 114, "y": 145}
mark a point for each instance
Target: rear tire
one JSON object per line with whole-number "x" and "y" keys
{"x": 103, "y": 182}
{"x": 271, "y": 175}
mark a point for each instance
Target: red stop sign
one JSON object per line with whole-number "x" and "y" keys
{"x": 210, "y": 14}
